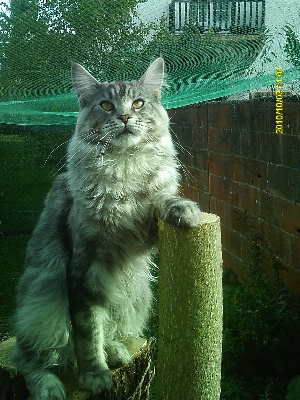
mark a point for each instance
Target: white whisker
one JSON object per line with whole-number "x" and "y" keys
{"x": 178, "y": 145}
{"x": 88, "y": 135}
{"x": 57, "y": 147}
{"x": 73, "y": 155}
{"x": 172, "y": 116}
{"x": 83, "y": 158}
{"x": 185, "y": 170}
{"x": 106, "y": 144}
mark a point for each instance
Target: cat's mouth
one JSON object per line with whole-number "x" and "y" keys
{"x": 126, "y": 131}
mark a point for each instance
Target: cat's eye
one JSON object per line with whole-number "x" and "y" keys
{"x": 106, "y": 105}
{"x": 137, "y": 104}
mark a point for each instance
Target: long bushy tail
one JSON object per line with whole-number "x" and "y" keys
{"x": 42, "y": 320}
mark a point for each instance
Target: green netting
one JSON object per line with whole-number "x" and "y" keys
{"x": 212, "y": 48}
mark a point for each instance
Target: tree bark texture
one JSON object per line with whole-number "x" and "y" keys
{"x": 131, "y": 381}
{"x": 190, "y": 311}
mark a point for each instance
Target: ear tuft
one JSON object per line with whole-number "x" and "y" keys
{"x": 153, "y": 78}
{"x": 84, "y": 83}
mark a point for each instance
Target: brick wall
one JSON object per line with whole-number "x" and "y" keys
{"x": 241, "y": 170}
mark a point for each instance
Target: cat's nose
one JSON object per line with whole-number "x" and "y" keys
{"x": 124, "y": 118}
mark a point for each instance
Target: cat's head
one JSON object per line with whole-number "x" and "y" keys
{"x": 123, "y": 114}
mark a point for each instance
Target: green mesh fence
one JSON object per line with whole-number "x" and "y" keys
{"x": 212, "y": 48}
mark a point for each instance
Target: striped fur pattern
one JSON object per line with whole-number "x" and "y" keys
{"x": 85, "y": 287}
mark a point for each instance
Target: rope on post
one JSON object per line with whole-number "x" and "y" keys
{"x": 190, "y": 311}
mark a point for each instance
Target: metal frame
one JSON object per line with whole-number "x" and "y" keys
{"x": 233, "y": 16}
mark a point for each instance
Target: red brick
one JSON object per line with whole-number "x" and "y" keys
{"x": 239, "y": 169}
{"x": 226, "y": 165}
{"x": 291, "y": 217}
{"x": 292, "y": 280}
{"x": 270, "y": 208}
{"x": 242, "y": 221}
{"x": 268, "y": 267}
{"x": 204, "y": 200}
{"x": 296, "y": 252}
{"x": 184, "y": 158}
{"x": 199, "y": 138}
{"x": 281, "y": 180}
{"x": 249, "y": 143}
{"x": 196, "y": 115}
{"x": 182, "y": 136}
{"x": 271, "y": 147}
{"x": 256, "y": 173}
{"x": 249, "y": 198}
{"x": 219, "y": 164}
{"x": 190, "y": 177}
{"x": 250, "y": 251}
{"x": 246, "y": 245}
{"x": 281, "y": 244}
{"x": 231, "y": 240}
{"x": 296, "y": 185}
{"x": 230, "y": 215}
{"x": 262, "y": 116}
{"x": 216, "y": 186}
{"x": 233, "y": 192}
{"x": 291, "y": 118}
{"x": 235, "y": 264}
{"x": 224, "y": 140}
{"x": 242, "y": 115}
{"x": 199, "y": 160}
{"x": 225, "y": 189}
{"x": 190, "y": 193}
{"x": 291, "y": 150}
{"x": 203, "y": 181}
{"x": 221, "y": 115}
{"x": 213, "y": 206}
{"x": 262, "y": 230}
{"x": 219, "y": 208}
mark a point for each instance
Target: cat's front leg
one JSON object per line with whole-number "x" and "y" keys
{"x": 117, "y": 354}
{"x": 87, "y": 312}
{"x": 94, "y": 374}
{"x": 178, "y": 211}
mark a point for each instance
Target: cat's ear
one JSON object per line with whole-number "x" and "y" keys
{"x": 153, "y": 78}
{"x": 84, "y": 83}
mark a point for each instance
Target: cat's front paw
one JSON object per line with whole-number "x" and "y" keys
{"x": 185, "y": 213}
{"x": 43, "y": 385}
{"x": 96, "y": 382}
{"x": 117, "y": 354}
{"x": 54, "y": 392}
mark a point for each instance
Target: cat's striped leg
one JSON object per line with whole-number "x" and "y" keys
{"x": 88, "y": 316}
{"x": 42, "y": 383}
{"x": 94, "y": 374}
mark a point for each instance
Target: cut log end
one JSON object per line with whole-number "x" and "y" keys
{"x": 130, "y": 381}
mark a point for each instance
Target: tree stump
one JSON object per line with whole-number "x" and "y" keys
{"x": 190, "y": 311}
{"x": 131, "y": 381}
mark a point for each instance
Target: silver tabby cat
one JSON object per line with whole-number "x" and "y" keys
{"x": 85, "y": 288}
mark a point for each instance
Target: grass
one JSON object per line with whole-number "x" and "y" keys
{"x": 261, "y": 347}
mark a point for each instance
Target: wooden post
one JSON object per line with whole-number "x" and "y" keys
{"x": 190, "y": 311}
